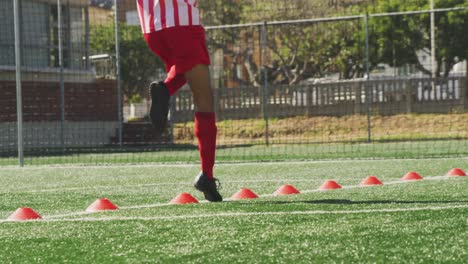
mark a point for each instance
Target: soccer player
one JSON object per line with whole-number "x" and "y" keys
{"x": 173, "y": 32}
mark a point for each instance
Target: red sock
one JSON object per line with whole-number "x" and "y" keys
{"x": 174, "y": 81}
{"x": 205, "y": 131}
{"x": 174, "y": 84}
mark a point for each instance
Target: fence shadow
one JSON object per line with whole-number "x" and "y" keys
{"x": 351, "y": 202}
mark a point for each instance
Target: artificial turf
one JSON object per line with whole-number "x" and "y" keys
{"x": 284, "y": 151}
{"x": 422, "y": 221}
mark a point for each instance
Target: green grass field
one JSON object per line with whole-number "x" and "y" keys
{"x": 243, "y": 153}
{"x": 416, "y": 222}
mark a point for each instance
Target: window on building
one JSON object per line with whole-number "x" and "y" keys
{"x": 34, "y": 34}
{"x": 7, "y": 37}
{"x": 39, "y": 35}
{"x": 73, "y": 34}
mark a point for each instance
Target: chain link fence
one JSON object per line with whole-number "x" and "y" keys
{"x": 299, "y": 80}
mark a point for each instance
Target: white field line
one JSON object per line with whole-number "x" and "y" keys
{"x": 196, "y": 165}
{"x": 97, "y": 187}
{"x": 228, "y": 199}
{"x": 250, "y": 214}
{"x": 185, "y": 183}
{"x": 437, "y": 178}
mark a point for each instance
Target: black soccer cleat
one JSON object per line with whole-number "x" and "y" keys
{"x": 159, "y": 105}
{"x": 208, "y": 187}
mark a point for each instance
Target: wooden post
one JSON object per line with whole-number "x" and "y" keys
{"x": 217, "y": 103}
{"x": 357, "y": 98}
{"x": 464, "y": 92}
{"x": 308, "y": 101}
{"x": 409, "y": 96}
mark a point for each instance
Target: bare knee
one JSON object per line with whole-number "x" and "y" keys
{"x": 199, "y": 81}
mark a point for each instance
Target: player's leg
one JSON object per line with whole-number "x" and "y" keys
{"x": 205, "y": 120}
{"x": 160, "y": 98}
{"x": 160, "y": 92}
{"x": 189, "y": 54}
{"x": 174, "y": 81}
{"x": 198, "y": 79}
{"x": 159, "y": 108}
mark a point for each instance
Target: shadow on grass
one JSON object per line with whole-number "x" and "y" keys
{"x": 344, "y": 201}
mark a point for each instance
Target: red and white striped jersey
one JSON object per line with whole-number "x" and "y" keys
{"x": 156, "y": 15}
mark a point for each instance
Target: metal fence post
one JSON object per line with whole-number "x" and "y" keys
{"x": 62, "y": 85}
{"x": 369, "y": 129}
{"x": 266, "y": 94}
{"x": 19, "y": 104}
{"x": 117, "y": 65}
{"x": 217, "y": 102}
{"x": 433, "y": 47}
{"x": 87, "y": 40}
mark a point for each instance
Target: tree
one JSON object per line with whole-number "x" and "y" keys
{"x": 221, "y": 12}
{"x": 295, "y": 52}
{"x": 226, "y": 41}
{"x": 138, "y": 64}
{"x": 399, "y": 39}
{"x": 315, "y": 50}
{"x": 310, "y": 50}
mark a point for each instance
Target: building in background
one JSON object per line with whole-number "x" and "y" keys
{"x": 101, "y": 12}
{"x": 39, "y": 39}
{"x": 91, "y": 113}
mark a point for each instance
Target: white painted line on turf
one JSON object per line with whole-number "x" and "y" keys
{"x": 71, "y": 214}
{"x": 252, "y": 214}
{"x": 196, "y": 165}
{"x": 97, "y": 187}
{"x": 103, "y": 166}
{"x": 189, "y": 184}
{"x": 121, "y": 208}
{"x": 67, "y": 215}
{"x": 438, "y": 178}
{"x": 229, "y": 199}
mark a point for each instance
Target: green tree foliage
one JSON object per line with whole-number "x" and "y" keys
{"x": 399, "y": 39}
{"x": 296, "y": 52}
{"x": 315, "y": 50}
{"x": 138, "y": 64}
{"x": 221, "y": 12}
{"x": 309, "y": 50}
{"x": 226, "y": 41}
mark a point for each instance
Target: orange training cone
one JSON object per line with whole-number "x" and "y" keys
{"x": 286, "y": 190}
{"x": 23, "y": 214}
{"x": 102, "y": 204}
{"x": 371, "y": 180}
{"x": 411, "y": 176}
{"x": 456, "y": 172}
{"x": 330, "y": 185}
{"x": 184, "y": 198}
{"x": 244, "y": 194}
